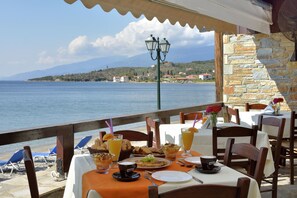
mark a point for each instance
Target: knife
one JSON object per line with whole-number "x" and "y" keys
{"x": 196, "y": 179}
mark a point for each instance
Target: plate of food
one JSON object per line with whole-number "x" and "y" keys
{"x": 142, "y": 151}
{"x": 149, "y": 162}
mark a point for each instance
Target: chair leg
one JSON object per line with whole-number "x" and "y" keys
{"x": 274, "y": 185}
{"x": 292, "y": 167}
{"x": 1, "y": 170}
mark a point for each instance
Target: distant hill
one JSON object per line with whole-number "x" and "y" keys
{"x": 169, "y": 72}
{"x": 179, "y": 55}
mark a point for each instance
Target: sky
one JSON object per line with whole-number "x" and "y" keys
{"x": 40, "y": 34}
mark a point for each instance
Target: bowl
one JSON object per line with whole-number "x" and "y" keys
{"x": 102, "y": 162}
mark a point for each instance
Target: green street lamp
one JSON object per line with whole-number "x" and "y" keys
{"x": 163, "y": 46}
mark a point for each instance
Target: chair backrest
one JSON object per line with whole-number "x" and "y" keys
{"x": 16, "y": 157}
{"x": 293, "y": 129}
{"x": 152, "y": 125}
{"x": 30, "y": 170}
{"x": 205, "y": 191}
{"x": 275, "y": 140}
{"x": 83, "y": 142}
{"x": 230, "y": 113}
{"x": 189, "y": 116}
{"x": 255, "y": 156}
{"x": 133, "y": 136}
{"x": 231, "y": 132}
{"x": 257, "y": 106}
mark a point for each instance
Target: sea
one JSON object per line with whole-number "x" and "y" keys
{"x": 26, "y": 104}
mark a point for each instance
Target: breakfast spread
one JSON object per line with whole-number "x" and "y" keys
{"x": 102, "y": 145}
{"x": 144, "y": 150}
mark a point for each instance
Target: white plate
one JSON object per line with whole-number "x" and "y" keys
{"x": 193, "y": 160}
{"x": 171, "y": 176}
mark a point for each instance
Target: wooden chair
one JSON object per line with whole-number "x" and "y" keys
{"x": 233, "y": 132}
{"x": 152, "y": 125}
{"x": 30, "y": 170}
{"x": 255, "y": 156}
{"x": 189, "y": 116}
{"x": 133, "y": 135}
{"x": 289, "y": 146}
{"x": 257, "y": 106}
{"x": 230, "y": 113}
{"x": 275, "y": 142}
{"x": 205, "y": 191}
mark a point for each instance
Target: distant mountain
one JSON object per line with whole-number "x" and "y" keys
{"x": 176, "y": 55}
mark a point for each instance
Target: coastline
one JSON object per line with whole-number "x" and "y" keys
{"x": 163, "y": 82}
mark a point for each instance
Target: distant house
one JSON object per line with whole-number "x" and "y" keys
{"x": 192, "y": 77}
{"x": 124, "y": 79}
{"x": 205, "y": 76}
{"x": 116, "y": 79}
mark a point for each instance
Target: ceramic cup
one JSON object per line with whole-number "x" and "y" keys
{"x": 208, "y": 162}
{"x": 127, "y": 168}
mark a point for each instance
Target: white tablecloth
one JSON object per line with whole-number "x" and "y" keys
{"x": 202, "y": 142}
{"x": 83, "y": 163}
{"x": 251, "y": 118}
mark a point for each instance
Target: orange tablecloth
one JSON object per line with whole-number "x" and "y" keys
{"x": 107, "y": 186}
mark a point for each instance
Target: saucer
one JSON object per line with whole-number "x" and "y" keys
{"x": 216, "y": 169}
{"x": 134, "y": 176}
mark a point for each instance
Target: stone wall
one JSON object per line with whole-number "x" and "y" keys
{"x": 257, "y": 68}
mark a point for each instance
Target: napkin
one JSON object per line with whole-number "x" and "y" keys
{"x": 269, "y": 109}
{"x": 206, "y": 124}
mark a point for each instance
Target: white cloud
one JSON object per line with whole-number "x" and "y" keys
{"x": 128, "y": 42}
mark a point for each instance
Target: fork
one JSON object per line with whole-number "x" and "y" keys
{"x": 148, "y": 177}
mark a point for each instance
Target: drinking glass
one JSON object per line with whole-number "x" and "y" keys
{"x": 187, "y": 138}
{"x": 114, "y": 147}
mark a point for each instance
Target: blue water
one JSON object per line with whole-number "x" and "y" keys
{"x": 33, "y": 104}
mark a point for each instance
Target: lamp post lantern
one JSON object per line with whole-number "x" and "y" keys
{"x": 163, "y": 46}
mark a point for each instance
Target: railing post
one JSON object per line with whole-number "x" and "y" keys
{"x": 164, "y": 120}
{"x": 65, "y": 148}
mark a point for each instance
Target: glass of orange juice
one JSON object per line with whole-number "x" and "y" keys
{"x": 187, "y": 139}
{"x": 114, "y": 146}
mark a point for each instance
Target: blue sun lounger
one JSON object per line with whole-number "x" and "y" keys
{"x": 13, "y": 162}
{"x": 45, "y": 155}
{"x": 53, "y": 152}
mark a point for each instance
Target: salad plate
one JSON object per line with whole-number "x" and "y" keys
{"x": 149, "y": 162}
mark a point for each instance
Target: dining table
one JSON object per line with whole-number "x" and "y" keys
{"x": 82, "y": 178}
{"x": 202, "y": 142}
{"x": 249, "y": 118}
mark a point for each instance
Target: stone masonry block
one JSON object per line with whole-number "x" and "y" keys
{"x": 229, "y": 90}
{"x": 242, "y": 61}
{"x": 264, "y": 53}
{"x": 240, "y": 89}
{"x": 260, "y": 74}
{"x": 269, "y": 43}
{"x": 228, "y": 48}
{"x": 228, "y": 69}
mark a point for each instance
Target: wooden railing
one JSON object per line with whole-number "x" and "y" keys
{"x": 65, "y": 132}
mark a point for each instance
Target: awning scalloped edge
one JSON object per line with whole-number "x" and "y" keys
{"x": 162, "y": 12}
